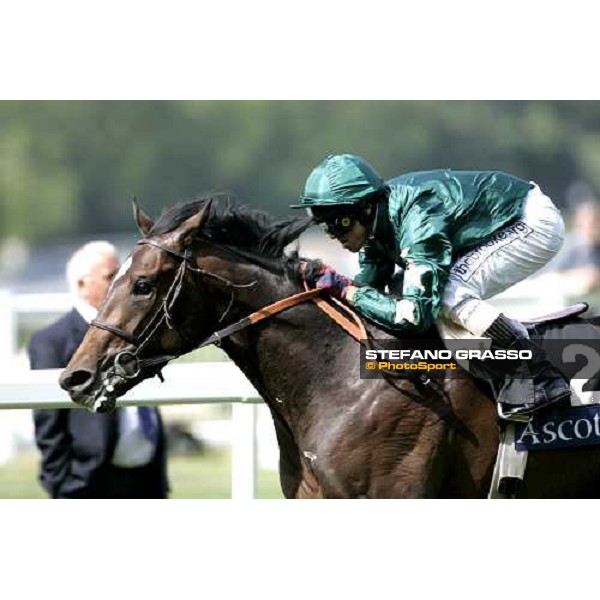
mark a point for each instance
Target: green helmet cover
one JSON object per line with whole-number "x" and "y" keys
{"x": 340, "y": 179}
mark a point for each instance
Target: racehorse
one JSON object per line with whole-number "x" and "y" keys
{"x": 197, "y": 275}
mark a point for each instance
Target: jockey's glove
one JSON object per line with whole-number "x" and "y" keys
{"x": 336, "y": 284}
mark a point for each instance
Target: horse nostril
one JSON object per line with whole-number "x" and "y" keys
{"x": 76, "y": 380}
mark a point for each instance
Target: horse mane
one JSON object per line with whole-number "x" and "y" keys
{"x": 234, "y": 224}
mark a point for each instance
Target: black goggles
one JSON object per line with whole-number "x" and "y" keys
{"x": 339, "y": 225}
{"x": 336, "y": 224}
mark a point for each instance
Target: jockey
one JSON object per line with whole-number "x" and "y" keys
{"x": 460, "y": 236}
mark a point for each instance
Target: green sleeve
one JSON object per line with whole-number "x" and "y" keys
{"x": 376, "y": 306}
{"x": 422, "y": 234}
{"x": 375, "y": 270}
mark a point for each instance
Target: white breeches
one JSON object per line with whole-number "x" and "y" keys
{"x": 505, "y": 258}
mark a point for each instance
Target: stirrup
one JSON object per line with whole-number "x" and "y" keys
{"x": 527, "y": 411}
{"x": 512, "y": 417}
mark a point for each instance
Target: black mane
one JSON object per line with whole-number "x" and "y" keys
{"x": 236, "y": 225}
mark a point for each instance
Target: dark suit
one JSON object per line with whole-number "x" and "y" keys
{"x": 76, "y": 445}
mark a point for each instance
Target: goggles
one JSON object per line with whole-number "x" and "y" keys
{"x": 335, "y": 224}
{"x": 338, "y": 226}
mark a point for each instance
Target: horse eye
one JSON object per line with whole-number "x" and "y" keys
{"x": 142, "y": 288}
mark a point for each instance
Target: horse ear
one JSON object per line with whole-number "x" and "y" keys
{"x": 144, "y": 222}
{"x": 188, "y": 230}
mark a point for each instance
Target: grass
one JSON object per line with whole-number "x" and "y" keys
{"x": 205, "y": 475}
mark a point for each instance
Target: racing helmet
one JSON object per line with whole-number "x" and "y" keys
{"x": 341, "y": 179}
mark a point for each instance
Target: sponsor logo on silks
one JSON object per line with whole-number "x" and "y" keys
{"x": 465, "y": 266}
{"x": 566, "y": 428}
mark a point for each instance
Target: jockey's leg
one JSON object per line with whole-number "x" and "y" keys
{"x": 509, "y": 256}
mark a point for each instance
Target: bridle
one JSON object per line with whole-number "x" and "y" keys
{"x": 127, "y": 364}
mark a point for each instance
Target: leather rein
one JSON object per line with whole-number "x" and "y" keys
{"x": 127, "y": 364}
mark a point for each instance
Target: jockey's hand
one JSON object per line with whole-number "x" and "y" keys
{"x": 336, "y": 284}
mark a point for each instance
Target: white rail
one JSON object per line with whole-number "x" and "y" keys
{"x": 191, "y": 383}
{"x": 14, "y": 305}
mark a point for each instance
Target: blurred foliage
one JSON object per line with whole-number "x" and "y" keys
{"x": 72, "y": 166}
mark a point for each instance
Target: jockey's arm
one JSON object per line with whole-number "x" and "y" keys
{"x": 375, "y": 270}
{"x": 427, "y": 250}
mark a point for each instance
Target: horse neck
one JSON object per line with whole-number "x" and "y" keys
{"x": 283, "y": 356}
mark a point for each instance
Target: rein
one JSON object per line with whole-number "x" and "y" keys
{"x": 352, "y": 324}
{"x": 127, "y": 364}
{"x": 261, "y": 314}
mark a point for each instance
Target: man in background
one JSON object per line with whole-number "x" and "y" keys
{"x": 86, "y": 455}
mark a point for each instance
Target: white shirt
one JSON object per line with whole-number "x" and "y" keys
{"x": 133, "y": 448}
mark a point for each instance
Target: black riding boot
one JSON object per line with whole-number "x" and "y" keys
{"x": 528, "y": 385}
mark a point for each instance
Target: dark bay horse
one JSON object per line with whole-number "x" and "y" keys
{"x": 205, "y": 265}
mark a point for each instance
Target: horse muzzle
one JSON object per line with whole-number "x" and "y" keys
{"x": 95, "y": 391}
{"x": 83, "y": 387}
{"x": 98, "y": 389}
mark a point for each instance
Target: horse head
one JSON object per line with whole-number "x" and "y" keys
{"x": 192, "y": 272}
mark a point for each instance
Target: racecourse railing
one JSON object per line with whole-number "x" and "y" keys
{"x": 13, "y": 306}
{"x": 191, "y": 383}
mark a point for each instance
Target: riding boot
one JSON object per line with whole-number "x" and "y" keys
{"x": 529, "y": 385}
